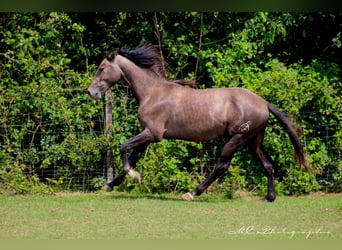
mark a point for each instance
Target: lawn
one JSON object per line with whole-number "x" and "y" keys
{"x": 127, "y": 216}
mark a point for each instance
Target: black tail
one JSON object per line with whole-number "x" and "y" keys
{"x": 300, "y": 156}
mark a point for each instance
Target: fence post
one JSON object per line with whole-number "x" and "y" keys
{"x": 109, "y": 134}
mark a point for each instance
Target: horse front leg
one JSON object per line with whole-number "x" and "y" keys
{"x": 133, "y": 159}
{"x": 137, "y": 143}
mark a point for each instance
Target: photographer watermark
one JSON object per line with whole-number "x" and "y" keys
{"x": 268, "y": 230}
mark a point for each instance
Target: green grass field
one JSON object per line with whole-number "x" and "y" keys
{"x": 126, "y": 216}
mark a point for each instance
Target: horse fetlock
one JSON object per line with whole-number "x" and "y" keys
{"x": 108, "y": 188}
{"x": 134, "y": 175}
{"x": 188, "y": 197}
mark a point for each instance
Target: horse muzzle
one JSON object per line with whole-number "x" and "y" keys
{"x": 94, "y": 94}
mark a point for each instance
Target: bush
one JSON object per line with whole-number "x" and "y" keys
{"x": 47, "y": 118}
{"x": 51, "y": 132}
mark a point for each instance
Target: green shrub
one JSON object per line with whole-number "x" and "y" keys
{"x": 52, "y": 132}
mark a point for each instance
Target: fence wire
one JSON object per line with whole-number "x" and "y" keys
{"x": 83, "y": 180}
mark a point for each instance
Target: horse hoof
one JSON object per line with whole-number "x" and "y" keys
{"x": 188, "y": 197}
{"x": 107, "y": 188}
{"x": 267, "y": 200}
{"x": 134, "y": 175}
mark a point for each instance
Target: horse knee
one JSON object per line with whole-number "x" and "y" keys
{"x": 123, "y": 149}
{"x": 221, "y": 167}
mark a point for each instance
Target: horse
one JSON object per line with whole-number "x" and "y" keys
{"x": 169, "y": 110}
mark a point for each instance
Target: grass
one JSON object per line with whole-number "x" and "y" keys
{"x": 126, "y": 216}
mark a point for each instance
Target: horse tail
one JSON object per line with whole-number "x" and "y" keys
{"x": 300, "y": 155}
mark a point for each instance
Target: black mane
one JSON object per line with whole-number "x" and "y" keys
{"x": 147, "y": 56}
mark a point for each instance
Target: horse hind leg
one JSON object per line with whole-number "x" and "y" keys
{"x": 267, "y": 163}
{"x": 221, "y": 167}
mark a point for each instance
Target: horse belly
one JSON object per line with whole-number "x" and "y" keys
{"x": 202, "y": 135}
{"x": 196, "y": 124}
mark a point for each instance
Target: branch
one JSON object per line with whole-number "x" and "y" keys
{"x": 199, "y": 46}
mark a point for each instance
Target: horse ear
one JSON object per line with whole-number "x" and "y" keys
{"x": 112, "y": 55}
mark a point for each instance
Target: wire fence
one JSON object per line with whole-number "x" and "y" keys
{"x": 31, "y": 144}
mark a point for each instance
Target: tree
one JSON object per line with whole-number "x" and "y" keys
{"x": 53, "y": 133}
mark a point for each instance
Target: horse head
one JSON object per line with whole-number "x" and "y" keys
{"x": 106, "y": 75}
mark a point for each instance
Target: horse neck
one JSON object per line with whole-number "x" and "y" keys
{"x": 139, "y": 80}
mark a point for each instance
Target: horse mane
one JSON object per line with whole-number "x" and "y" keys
{"x": 148, "y": 57}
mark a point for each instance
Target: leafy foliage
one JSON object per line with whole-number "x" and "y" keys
{"x": 51, "y": 132}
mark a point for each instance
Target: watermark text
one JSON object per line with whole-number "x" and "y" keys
{"x": 268, "y": 230}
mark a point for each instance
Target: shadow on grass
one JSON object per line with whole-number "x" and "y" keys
{"x": 165, "y": 197}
